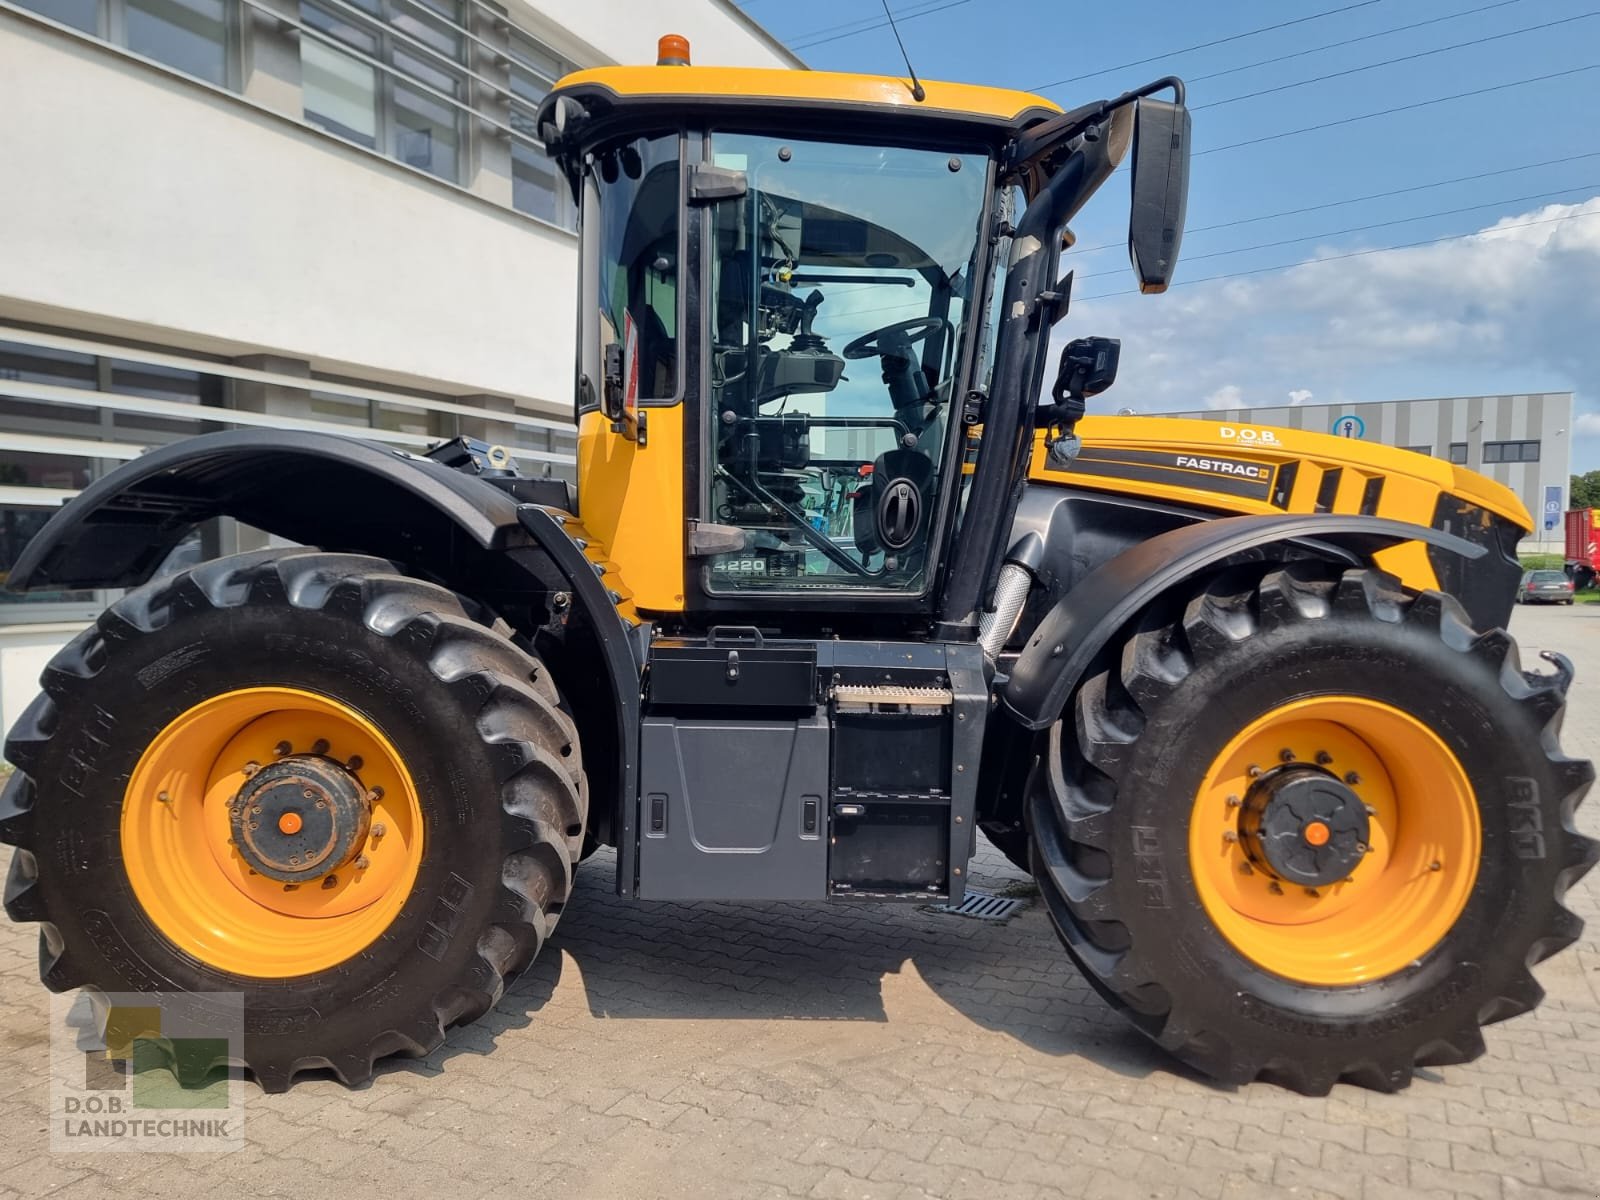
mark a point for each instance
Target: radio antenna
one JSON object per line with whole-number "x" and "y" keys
{"x": 917, "y": 93}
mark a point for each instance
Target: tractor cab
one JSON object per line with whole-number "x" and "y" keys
{"x": 790, "y": 321}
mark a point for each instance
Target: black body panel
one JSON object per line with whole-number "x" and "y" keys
{"x": 1066, "y": 642}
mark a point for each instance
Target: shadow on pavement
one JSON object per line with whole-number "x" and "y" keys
{"x": 814, "y": 962}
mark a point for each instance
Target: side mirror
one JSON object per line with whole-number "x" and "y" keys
{"x": 1160, "y": 191}
{"x": 1088, "y": 367}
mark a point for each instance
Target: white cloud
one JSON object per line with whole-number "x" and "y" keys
{"x": 1587, "y": 424}
{"x": 1300, "y": 396}
{"x": 1229, "y": 395}
{"x": 1518, "y": 301}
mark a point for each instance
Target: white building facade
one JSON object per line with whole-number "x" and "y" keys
{"x": 1523, "y": 441}
{"x": 310, "y": 214}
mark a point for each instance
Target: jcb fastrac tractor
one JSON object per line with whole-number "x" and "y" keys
{"x": 841, "y": 586}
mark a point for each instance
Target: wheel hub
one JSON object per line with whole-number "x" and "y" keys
{"x": 300, "y": 818}
{"x": 1305, "y": 825}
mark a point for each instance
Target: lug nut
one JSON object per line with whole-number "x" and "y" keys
{"x": 1313, "y": 893}
{"x": 1286, "y": 755}
{"x": 1363, "y": 848}
{"x": 375, "y": 795}
{"x": 1246, "y": 869}
{"x": 1352, "y": 778}
{"x": 1436, "y": 865}
{"x": 362, "y": 863}
{"x": 1323, "y": 758}
{"x": 255, "y": 811}
{"x": 1275, "y": 888}
{"x": 1229, "y": 836}
{"x": 320, "y": 746}
{"x": 355, "y": 763}
{"x": 282, "y": 748}
{"x": 1234, "y": 802}
{"x": 380, "y": 829}
{"x": 322, "y": 804}
{"x": 330, "y": 881}
{"x": 1371, "y": 812}
{"x": 1253, "y": 771}
{"x": 309, "y": 794}
{"x": 250, "y": 769}
{"x": 164, "y": 797}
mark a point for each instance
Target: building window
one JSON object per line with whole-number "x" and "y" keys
{"x": 536, "y": 186}
{"x": 1428, "y": 450}
{"x": 191, "y": 36}
{"x": 1510, "y": 452}
{"x": 388, "y": 75}
{"x": 1458, "y": 453}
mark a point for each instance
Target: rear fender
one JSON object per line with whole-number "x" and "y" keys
{"x": 1070, "y": 638}
{"x": 532, "y": 565}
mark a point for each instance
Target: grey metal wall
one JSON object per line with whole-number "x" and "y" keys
{"x": 1543, "y": 417}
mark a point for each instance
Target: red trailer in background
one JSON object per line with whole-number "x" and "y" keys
{"x": 1583, "y": 535}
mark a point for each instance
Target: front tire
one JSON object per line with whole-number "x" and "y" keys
{"x": 431, "y": 752}
{"x": 1269, "y": 705}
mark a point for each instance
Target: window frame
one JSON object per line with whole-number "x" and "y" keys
{"x": 1495, "y": 453}
{"x": 1457, "y": 449}
{"x": 392, "y": 43}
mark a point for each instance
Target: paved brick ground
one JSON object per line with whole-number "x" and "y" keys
{"x": 809, "y": 1051}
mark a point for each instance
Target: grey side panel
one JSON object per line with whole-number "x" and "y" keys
{"x": 733, "y": 810}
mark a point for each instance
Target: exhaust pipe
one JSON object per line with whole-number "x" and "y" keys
{"x": 1010, "y": 594}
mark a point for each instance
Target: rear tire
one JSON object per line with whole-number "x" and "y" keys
{"x": 474, "y": 722}
{"x": 1114, "y": 808}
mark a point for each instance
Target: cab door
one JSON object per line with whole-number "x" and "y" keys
{"x": 842, "y": 286}
{"x": 630, "y": 385}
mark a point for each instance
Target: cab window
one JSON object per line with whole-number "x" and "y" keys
{"x": 632, "y": 214}
{"x": 842, "y": 286}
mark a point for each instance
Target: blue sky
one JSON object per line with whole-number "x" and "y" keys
{"x": 1513, "y": 311}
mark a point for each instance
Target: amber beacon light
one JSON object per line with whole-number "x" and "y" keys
{"x": 672, "y": 50}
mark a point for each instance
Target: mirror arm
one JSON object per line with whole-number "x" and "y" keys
{"x": 1048, "y": 136}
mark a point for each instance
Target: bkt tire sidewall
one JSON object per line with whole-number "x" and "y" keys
{"x": 106, "y": 724}
{"x": 1452, "y": 692}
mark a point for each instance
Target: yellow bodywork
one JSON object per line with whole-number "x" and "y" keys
{"x": 814, "y": 89}
{"x": 1237, "y": 468}
{"x": 632, "y": 505}
{"x": 633, "y": 496}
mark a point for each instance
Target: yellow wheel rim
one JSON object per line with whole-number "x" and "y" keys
{"x": 1402, "y": 896}
{"x": 191, "y": 880}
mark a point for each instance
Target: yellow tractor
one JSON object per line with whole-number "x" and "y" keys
{"x": 843, "y": 584}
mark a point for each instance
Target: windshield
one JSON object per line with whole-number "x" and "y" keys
{"x": 1547, "y": 577}
{"x": 842, "y": 285}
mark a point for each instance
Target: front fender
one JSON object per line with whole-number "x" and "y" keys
{"x": 1070, "y": 637}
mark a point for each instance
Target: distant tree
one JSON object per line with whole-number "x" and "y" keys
{"x": 1584, "y": 491}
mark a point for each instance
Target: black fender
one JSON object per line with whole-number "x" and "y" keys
{"x": 1067, "y": 641}
{"x": 345, "y": 494}
{"x": 312, "y": 488}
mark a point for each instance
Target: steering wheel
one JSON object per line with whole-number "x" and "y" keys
{"x": 906, "y": 332}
